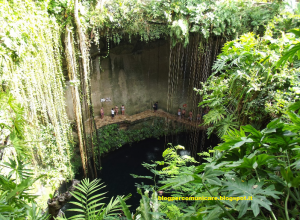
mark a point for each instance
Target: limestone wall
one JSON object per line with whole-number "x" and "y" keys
{"x": 135, "y": 75}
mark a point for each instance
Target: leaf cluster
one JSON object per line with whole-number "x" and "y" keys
{"x": 88, "y": 202}
{"x": 261, "y": 165}
{"x": 155, "y": 19}
{"x": 15, "y": 200}
{"x": 245, "y": 87}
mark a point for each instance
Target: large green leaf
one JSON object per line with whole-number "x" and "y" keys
{"x": 289, "y": 54}
{"x": 295, "y": 106}
{"x": 255, "y": 161}
{"x": 145, "y": 208}
{"x": 251, "y": 189}
{"x": 255, "y": 134}
{"x": 235, "y": 143}
{"x": 125, "y": 209}
{"x": 296, "y": 164}
{"x": 211, "y": 176}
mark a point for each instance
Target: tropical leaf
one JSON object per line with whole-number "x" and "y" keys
{"x": 88, "y": 201}
{"x": 234, "y": 143}
{"x": 255, "y": 161}
{"x": 211, "y": 176}
{"x": 34, "y": 213}
{"x": 125, "y": 209}
{"x": 251, "y": 189}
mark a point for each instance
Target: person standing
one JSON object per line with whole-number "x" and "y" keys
{"x": 179, "y": 113}
{"x": 123, "y": 109}
{"x": 155, "y": 106}
{"x": 191, "y": 116}
{"x": 102, "y": 112}
{"x": 198, "y": 118}
{"x": 183, "y": 113}
{"x": 112, "y": 113}
{"x": 116, "y": 110}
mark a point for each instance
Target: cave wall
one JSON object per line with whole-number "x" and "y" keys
{"x": 135, "y": 75}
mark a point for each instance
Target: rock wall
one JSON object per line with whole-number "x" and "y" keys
{"x": 135, "y": 75}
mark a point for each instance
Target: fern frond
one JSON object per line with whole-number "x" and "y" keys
{"x": 87, "y": 204}
{"x": 214, "y": 116}
{"x": 226, "y": 125}
{"x": 88, "y": 201}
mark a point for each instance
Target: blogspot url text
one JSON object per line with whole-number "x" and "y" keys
{"x": 205, "y": 198}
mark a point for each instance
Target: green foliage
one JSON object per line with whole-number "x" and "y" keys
{"x": 57, "y": 6}
{"x": 111, "y": 137}
{"x": 12, "y": 124}
{"x": 36, "y": 214}
{"x": 88, "y": 202}
{"x": 263, "y": 165}
{"x": 32, "y": 95}
{"x": 155, "y": 19}
{"x": 125, "y": 209}
{"x": 16, "y": 160}
{"x": 15, "y": 200}
{"x": 245, "y": 88}
{"x": 17, "y": 169}
{"x": 293, "y": 50}
{"x": 175, "y": 166}
{"x": 13, "y": 111}
{"x": 149, "y": 208}
{"x": 171, "y": 210}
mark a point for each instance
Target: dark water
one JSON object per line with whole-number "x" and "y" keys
{"x": 119, "y": 164}
{"x": 127, "y": 160}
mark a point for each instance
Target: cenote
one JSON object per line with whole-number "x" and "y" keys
{"x": 120, "y": 163}
{"x": 92, "y": 89}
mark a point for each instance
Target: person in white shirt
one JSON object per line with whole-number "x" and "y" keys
{"x": 112, "y": 113}
{"x": 123, "y": 109}
{"x": 179, "y": 113}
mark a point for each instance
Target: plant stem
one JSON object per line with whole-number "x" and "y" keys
{"x": 257, "y": 175}
{"x": 219, "y": 204}
{"x": 285, "y": 206}
{"x": 273, "y": 215}
{"x": 154, "y": 178}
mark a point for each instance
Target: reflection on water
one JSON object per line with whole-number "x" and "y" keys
{"x": 184, "y": 152}
{"x": 156, "y": 149}
{"x": 150, "y": 157}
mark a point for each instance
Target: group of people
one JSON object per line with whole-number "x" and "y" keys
{"x": 181, "y": 115}
{"x": 114, "y": 111}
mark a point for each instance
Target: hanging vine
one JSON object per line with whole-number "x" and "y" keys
{"x": 31, "y": 70}
{"x": 71, "y": 62}
{"x": 86, "y": 95}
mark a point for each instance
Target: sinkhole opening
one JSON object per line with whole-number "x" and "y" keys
{"x": 118, "y": 165}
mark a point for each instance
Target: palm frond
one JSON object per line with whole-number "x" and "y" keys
{"x": 88, "y": 202}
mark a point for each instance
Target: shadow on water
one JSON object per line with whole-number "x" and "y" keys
{"x": 119, "y": 164}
